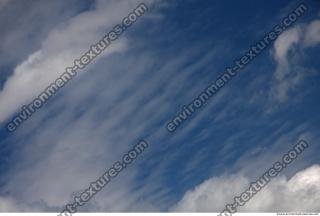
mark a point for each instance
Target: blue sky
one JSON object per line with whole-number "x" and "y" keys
{"x": 138, "y": 84}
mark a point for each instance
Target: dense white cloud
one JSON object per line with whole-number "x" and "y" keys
{"x": 8, "y": 205}
{"x": 299, "y": 193}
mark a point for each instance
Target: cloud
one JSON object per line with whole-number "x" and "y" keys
{"x": 287, "y": 52}
{"x": 285, "y": 78}
{"x": 282, "y": 46}
{"x": 63, "y": 44}
{"x": 55, "y": 163}
{"x": 312, "y": 36}
{"x": 125, "y": 94}
{"x": 299, "y": 193}
{"x": 27, "y": 31}
{"x": 8, "y": 205}
{"x": 96, "y": 119}
{"x": 3, "y": 3}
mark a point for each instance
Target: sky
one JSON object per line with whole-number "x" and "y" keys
{"x": 138, "y": 84}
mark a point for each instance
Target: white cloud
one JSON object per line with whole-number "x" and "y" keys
{"x": 288, "y": 49}
{"x": 299, "y": 193}
{"x": 211, "y": 195}
{"x": 62, "y": 155}
{"x": 62, "y": 45}
{"x": 282, "y": 46}
{"x": 312, "y": 36}
{"x": 3, "y": 3}
{"x": 95, "y": 122}
{"x": 8, "y": 205}
{"x": 285, "y": 76}
{"x": 69, "y": 152}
